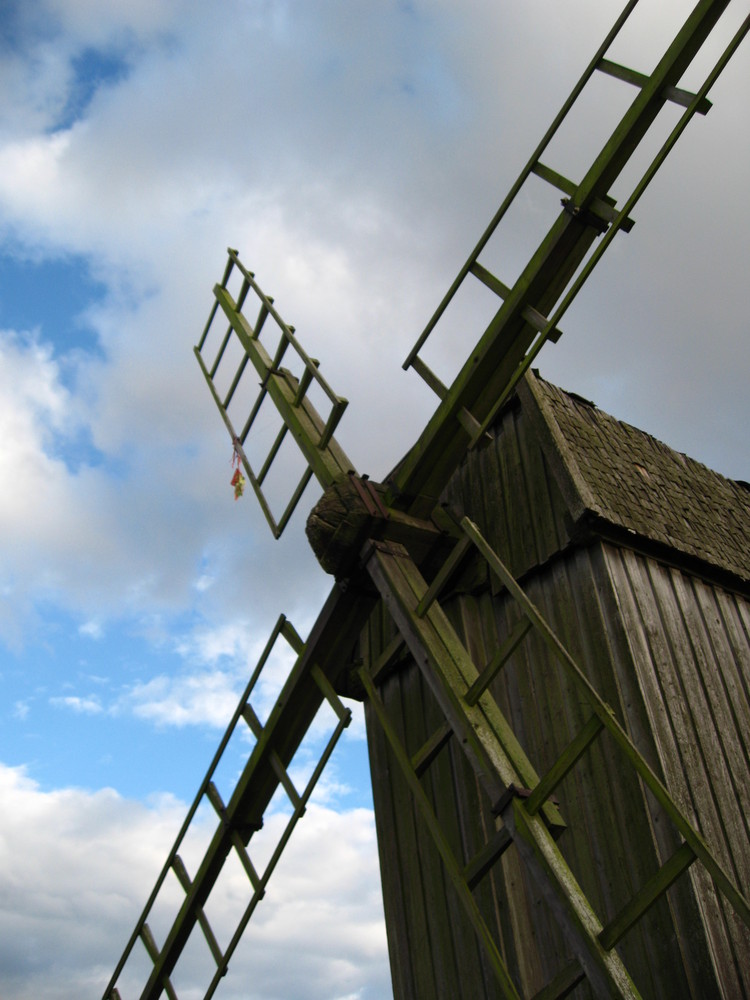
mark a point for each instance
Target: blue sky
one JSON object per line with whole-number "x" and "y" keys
{"x": 353, "y": 153}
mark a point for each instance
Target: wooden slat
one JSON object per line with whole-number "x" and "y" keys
{"x": 429, "y": 750}
{"x": 184, "y": 879}
{"x": 481, "y": 863}
{"x": 564, "y": 763}
{"x": 709, "y": 860}
{"x": 430, "y": 378}
{"x": 328, "y": 463}
{"x": 647, "y": 596}
{"x": 674, "y": 94}
{"x": 532, "y": 316}
{"x": 444, "y": 574}
{"x": 499, "y": 659}
{"x": 153, "y": 953}
{"x": 647, "y": 896}
{"x": 502, "y": 349}
{"x": 401, "y": 863}
{"x": 563, "y": 984}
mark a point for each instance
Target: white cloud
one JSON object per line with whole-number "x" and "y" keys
{"x": 231, "y": 652}
{"x": 92, "y": 629}
{"x": 42, "y": 40}
{"x": 111, "y": 539}
{"x": 195, "y": 699}
{"x": 86, "y": 706}
{"x": 31, "y": 172}
{"x": 57, "y": 525}
{"x": 83, "y": 864}
{"x": 33, "y": 399}
{"x": 209, "y": 696}
{"x": 231, "y": 640}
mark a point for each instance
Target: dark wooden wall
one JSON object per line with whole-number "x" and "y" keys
{"x": 671, "y": 653}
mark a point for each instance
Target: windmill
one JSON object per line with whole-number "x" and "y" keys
{"x": 461, "y": 781}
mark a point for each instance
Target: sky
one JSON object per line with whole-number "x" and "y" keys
{"x": 353, "y": 152}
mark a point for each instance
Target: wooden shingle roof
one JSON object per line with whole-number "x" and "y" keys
{"x": 613, "y": 475}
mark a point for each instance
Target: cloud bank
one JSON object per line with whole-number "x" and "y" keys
{"x": 78, "y": 866}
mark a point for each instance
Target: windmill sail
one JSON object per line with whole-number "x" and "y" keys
{"x": 323, "y": 456}
{"x": 532, "y": 308}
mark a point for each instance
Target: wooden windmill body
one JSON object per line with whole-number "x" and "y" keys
{"x": 639, "y": 560}
{"x": 553, "y": 654}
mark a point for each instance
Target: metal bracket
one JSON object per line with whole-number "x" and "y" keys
{"x": 585, "y": 215}
{"x": 516, "y": 792}
{"x": 369, "y": 496}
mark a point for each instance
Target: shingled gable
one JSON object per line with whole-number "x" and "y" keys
{"x": 619, "y": 482}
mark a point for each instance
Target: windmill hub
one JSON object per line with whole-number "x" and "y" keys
{"x": 353, "y": 511}
{"x": 350, "y": 511}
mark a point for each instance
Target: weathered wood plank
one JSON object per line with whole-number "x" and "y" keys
{"x": 675, "y": 742}
{"x": 616, "y": 821}
{"x": 470, "y": 620}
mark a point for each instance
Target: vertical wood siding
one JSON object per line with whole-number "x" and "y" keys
{"x": 692, "y": 663}
{"x": 666, "y": 651}
{"x": 506, "y": 488}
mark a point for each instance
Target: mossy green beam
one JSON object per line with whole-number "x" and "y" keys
{"x": 328, "y": 460}
{"x": 420, "y": 478}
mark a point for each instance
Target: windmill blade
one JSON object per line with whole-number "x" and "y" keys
{"x": 309, "y": 685}
{"x": 323, "y": 456}
{"x": 526, "y": 320}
